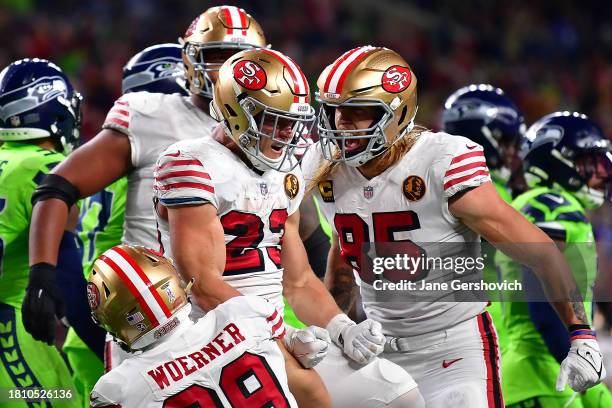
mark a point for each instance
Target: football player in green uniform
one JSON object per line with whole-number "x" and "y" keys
{"x": 568, "y": 165}
{"x": 487, "y": 116}
{"x": 39, "y": 121}
{"x": 156, "y": 69}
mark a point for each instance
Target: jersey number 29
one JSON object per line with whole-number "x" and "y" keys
{"x": 248, "y": 381}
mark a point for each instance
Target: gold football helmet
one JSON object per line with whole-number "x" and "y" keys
{"x": 218, "y": 28}
{"x": 136, "y": 295}
{"x": 262, "y": 94}
{"x": 366, "y": 76}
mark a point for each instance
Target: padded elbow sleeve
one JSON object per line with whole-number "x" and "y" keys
{"x": 54, "y": 186}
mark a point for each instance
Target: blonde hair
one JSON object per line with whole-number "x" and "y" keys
{"x": 392, "y": 155}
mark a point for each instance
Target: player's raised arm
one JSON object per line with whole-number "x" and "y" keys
{"x": 483, "y": 211}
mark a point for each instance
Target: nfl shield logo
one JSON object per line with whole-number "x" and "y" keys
{"x": 263, "y": 187}
{"x": 368, "y": 192}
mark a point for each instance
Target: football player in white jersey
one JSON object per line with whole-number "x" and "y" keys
{"x": 228, "y": 214}
{"x": 228, "y": 358}
{"x": 380, "y": 180}
{"x": 137, "y": 129}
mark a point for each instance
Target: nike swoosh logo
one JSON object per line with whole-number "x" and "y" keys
{"x": 447, "y": 363}
{"x": 173, "y": 154}
{"x": 556, "y": 199}
{"x": 591, "y": 361}
{"x": 471, "y": 147}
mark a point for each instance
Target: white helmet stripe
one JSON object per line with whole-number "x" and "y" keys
{"x": 299, "y": 80}
{"x": 137, "y": 281}
{"x": 340, "y": 70}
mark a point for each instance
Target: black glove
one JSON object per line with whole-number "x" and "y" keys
{"x": 42, "y": 303}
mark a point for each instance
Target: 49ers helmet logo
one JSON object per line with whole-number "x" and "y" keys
{"x": 192, "y": 27}
{"x": 396, "y": 78}
{"x": 250, "y": 75}
{"x": 93, "y": 296}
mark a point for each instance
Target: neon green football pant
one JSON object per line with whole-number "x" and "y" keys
{"x": 25, "y": 362}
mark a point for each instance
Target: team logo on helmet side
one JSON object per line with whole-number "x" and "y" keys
{"x": 93, "y": 296}
{"x": 250, "y": 75}
{"x": 164, "y": 69}
{"x": 47, "y": 88}
{"x": 192, "y": 26}
{"x": 396, "y": 79}
{"x": 414, "y": 188}
{"x": 292, "y": 186}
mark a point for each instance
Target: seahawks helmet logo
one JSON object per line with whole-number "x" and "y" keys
{"x": 32, "y": 95}
{"x": 166, "y": 68}
{"x": 48, "y": 88}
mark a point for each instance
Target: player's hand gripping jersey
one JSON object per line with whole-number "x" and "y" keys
{"x": 253, "y": 208}
{"x": 228, "y": 358}
{"x": 409, "y": 203}
{"x": 152, "y": 122}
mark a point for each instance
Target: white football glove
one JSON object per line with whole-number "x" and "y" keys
{"x": 583, "y": 366}
{"x": 309, "y": 346}
{"x": 361, "y": 342}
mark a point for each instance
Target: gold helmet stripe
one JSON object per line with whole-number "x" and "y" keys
{"x": 343, "y": 66}
{"x": 235, "y": 18}
{"x": 138, "y": 283}
{"x": 300, "y": 84}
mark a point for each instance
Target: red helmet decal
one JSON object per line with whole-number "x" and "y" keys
{"x": 396, "y": 78}
{"x": 250, "y": 75}
{"x": 192, "y": 26}
{"x": 93, "y": 296}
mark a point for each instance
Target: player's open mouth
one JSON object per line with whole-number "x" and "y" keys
{"x": 352, "y": 145}
{"x": 277, "y": 146}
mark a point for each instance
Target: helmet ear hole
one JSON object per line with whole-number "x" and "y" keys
{"x": 231, "y": 111}
{"x": 403, "y": 116}
{"x": 106, "y": 289}
{"x": 151, "y": 258}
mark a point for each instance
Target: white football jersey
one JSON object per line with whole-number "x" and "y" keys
{"x": 407, "y": 203}
{"x": 229, "y": 358}
{"x": 252, "y": 207}
{"x": 152, "y": 122}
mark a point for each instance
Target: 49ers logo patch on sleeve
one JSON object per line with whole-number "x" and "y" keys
{"x": 414, "y": 188}
{"x": 250, "y": 75}
{"x": 396, "y": 79}
{"x": 292, "y": 186}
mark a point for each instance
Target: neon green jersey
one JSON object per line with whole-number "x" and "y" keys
{"x": 495, "y": 309}
{"x": 528, "y": 369}
{"x": 22, "y": 167}
{"x": 501, "y": 188}
{"x": 101, "y": 222}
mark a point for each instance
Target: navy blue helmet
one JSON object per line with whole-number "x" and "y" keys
{"x": 38, "y": 101}
{"x": 157, "y": 69}
{"x": 569, "y": 149}
{"x": 487, "y": 116}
